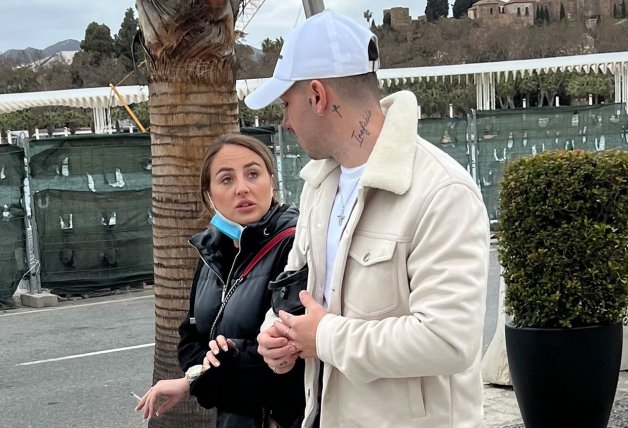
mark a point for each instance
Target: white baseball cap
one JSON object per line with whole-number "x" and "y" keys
{"x": 325, "y": 45}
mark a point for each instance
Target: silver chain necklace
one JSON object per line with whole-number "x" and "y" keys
{"x": 341, "y": 216}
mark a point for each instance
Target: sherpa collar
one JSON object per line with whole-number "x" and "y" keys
{"x": 391, "y": 163}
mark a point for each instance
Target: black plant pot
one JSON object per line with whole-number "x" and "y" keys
{"x": 564, "y": 377}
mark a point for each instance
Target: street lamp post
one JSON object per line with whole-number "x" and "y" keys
{"x": 312, "y": 7}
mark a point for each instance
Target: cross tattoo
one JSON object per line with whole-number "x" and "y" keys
{"x": 341, "y": 218}
{"x": 336, "y": 109}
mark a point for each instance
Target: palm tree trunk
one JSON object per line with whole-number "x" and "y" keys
{"x": 192, "y": 100}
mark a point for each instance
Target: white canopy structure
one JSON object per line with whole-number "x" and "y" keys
{"x": 483, "y": 75}
{"x": 98, "y": 99}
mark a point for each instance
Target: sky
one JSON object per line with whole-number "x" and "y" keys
{"x": 41, "y": 23}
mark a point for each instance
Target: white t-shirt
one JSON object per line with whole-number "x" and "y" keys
{"x": 346, "y": 197}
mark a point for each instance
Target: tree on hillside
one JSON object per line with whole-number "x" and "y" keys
{"x": 55, "y": 75}
{"x": 562, "y": 12}
{"x": 623, "y": 9}
{"x": 460, "y": 8}
{"x": 86, "y": 72}
{"x": 436, "y": 9}
{"x": 98, "y": 42}
{"x": 192, "y": 100}
{"x": 124, "y": 40}
{"x": 14, "y": 79}
{"x": 542, "y": 15}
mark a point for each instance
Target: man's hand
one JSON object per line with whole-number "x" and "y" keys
{"x": 279, "y": 353}
{"x": 165, "y": 394}
{"x": 302, "y": 329}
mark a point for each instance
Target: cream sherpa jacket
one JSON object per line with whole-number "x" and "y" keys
{"x": 401, "y": 345}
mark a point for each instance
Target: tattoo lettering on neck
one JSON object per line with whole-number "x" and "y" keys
{"x": 363, "y": 131}
{"x": 336, "y": 109}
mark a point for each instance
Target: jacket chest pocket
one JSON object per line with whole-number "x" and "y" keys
{"x": 371, "y": 278}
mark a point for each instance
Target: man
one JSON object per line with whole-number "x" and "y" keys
{"x": 395, "y": 235}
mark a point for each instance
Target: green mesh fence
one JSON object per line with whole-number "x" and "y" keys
{"x": 92, "y": 206}
{"x": 12, "y": 239}
{"x": 503, "y": 136}
{"x": 263, "y": 133}
{"x": 485, "y": 142}
{"x": 450, "y": 135}
{"x": 92, "y": 195}
{"x": 290, "y": 161}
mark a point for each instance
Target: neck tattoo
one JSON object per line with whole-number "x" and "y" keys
{"x": 341, "y": 215}
{"x": 336, "y": 109}
{"x": 363, "y": 131}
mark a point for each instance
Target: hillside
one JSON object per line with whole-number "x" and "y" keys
{"x": 29, "y": 55}
{"x": 463, "y": 41}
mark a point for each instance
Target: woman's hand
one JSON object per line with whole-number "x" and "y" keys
{"x": 215, "y": 347}
{"x": 171, "y": 390}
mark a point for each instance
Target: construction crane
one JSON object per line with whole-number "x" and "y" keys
{"x": 247, "y": 10}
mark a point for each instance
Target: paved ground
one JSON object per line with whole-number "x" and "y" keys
{"x": 74, "y": 365}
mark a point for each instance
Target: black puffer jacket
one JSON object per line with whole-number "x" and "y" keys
{"x": 245, "y": 382}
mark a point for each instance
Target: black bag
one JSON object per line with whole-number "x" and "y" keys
{"x": 286, "y": 290}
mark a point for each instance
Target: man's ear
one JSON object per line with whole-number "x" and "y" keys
{"x": 319, "y": 96}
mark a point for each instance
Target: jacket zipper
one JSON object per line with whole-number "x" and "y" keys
{"x": 206, "y": 264}
{"x": 226, "y": 293}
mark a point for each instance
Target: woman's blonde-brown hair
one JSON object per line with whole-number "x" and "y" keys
{"x": 245, "y": 141}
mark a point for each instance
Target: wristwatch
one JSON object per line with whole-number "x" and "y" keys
{"x": 194, "y": 373}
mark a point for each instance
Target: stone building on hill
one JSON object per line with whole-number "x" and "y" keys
{"x": 524, "y": 11}
{"x": 504, "y": 12}
{"x": 514, "y": 12}
{"x": 399, "y": 18}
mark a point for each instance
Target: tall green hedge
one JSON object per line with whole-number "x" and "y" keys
{"x": 564, "y": 238}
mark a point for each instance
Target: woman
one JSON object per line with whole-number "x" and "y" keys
{"x": 230, "y": 296}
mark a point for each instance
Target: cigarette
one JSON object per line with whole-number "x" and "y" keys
{"x": 137, "y": 397}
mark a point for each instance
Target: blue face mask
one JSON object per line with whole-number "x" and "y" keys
{"x": 230, "y": 228}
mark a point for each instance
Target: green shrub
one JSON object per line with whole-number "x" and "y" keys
{"x": 563, "y": 238}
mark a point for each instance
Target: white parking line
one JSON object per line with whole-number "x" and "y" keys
{"x": 89, "y": 354}
{"x": 11, "y": 314}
